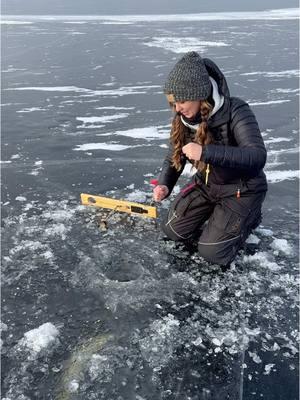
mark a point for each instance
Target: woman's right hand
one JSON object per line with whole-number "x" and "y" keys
{"x": 160, "y": 192}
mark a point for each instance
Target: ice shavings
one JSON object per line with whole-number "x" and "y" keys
{"x": 263, "y": 259}
{"x": 158, "y": 347}
{"x": 183, "y": 44}
{"x": 31, "y": 246}
{"x": 40, "y": 338}
{"x": 138, "y": 196}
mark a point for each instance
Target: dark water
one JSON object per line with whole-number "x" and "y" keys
{"x": 129, "y": 315}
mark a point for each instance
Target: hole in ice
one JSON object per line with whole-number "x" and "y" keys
{"x": 123, "y": 271}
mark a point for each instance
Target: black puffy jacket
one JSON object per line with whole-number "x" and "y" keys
{"x": 238, "y": 152}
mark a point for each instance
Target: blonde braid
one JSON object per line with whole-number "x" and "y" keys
{"x": 177, "y": 140}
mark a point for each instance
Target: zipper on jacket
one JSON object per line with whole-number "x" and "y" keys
{"x": 172, "y": 218}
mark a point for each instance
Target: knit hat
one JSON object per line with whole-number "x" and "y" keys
{"x": 189, "y": 79}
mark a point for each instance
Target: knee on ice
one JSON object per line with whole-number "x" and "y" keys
{"x": 215, "y": 254}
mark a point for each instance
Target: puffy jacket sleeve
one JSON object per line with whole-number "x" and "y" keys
{"x": 169, "y": 175}
{"x": 250, "y": 153}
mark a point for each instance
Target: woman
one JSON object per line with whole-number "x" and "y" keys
{"x": 220, "y": 136}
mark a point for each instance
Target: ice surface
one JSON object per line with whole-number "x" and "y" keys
{"x": 182, "y": 328}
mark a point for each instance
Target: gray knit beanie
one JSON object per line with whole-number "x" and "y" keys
{"x": 189, "y": 79}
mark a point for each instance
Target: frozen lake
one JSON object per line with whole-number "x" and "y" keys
{"x": 123, "y": 314}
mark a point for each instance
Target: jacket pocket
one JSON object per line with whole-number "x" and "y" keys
{"x": 186, "y": 199}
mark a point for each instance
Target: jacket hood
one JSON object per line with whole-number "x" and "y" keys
{"x": 223, "y": 114}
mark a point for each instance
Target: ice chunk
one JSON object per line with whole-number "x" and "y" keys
{"x": 73, "y": 386}
{"x": 268, "y": 368}
{"x": 21, "y": 198}
{"x": 216, "y": 342}
{"x": 253, "y": 239}
{"x": 198, "y": 341}
{"x": 282, "y": 245}
{"x": 255, "y": 357}
{"x": 40, "y": 338}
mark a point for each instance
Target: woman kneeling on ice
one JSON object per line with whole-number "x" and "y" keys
{"x": 220, "y": 136}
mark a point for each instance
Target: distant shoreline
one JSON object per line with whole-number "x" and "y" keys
{"x": 271, "y": 14}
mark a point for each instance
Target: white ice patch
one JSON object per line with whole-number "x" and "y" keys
{"x": 15, "y": 156}
{"x": 102, "y": 146}
{"x": 149, "y": 133}
{"x": 279, "y": 176}
{"x": 280, "y": 74}
{"x": 29, "y": 110}
{"x": 114, "y": 108}
{"x": 40, "y": 338}
{"x": 277, "y": 140}
{"x": 183, "y": 44}
{"x": 8, "y": 22}
{"x": 263, "y": 103}
{"x": 104, "y": 119}
{"x": 21, "y": 198}
{"x": 122, "y": 91}
{"x": 282, "y": 245}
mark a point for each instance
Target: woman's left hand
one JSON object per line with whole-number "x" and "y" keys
{"x": 192, "y": 151}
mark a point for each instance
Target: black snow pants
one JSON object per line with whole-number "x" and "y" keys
{"x": 231, "y": 212}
